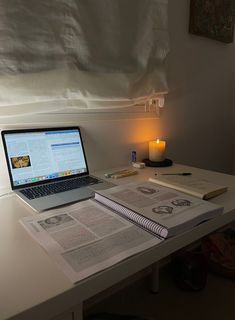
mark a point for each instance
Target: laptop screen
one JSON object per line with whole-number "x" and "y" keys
{"x": 41, "y": 155}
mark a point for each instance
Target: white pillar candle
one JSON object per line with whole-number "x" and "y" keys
{"x": 157, "y": 150}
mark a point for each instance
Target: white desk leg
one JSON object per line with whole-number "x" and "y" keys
{"x": 155, "y": 277}
{"x": 78, "y": 312}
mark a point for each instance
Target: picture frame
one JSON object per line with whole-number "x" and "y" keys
{"x": 213, "y": 19}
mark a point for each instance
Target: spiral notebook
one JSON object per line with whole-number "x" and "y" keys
{"x": 159, "y": 210}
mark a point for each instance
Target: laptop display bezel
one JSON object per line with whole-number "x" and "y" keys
{"x": 23, "y": 186}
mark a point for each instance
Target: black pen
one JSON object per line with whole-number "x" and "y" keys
{"x": 176, "y": 174}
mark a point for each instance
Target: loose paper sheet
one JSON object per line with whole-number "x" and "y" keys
{"x": 86, "y": 238}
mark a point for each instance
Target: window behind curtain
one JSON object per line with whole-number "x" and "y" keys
{"x": 81, "y": 54}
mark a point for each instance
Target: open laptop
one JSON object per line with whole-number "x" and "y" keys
{"x": 48, "y": 168}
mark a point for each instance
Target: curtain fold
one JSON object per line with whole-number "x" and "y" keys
{"x": 81, "y": 53}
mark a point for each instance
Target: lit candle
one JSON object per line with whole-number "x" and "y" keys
{"x": 157, "y": 150}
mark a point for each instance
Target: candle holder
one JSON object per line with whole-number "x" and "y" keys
{"x": 164, "y": 163}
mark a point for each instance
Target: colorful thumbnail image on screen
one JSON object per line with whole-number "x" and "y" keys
{"x": 20, "y": 162}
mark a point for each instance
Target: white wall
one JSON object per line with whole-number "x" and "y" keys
{"x": 197, "y": 120}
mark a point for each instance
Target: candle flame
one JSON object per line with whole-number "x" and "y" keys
{"x": 158, "y": 140}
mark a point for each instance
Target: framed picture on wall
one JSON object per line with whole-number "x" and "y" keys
{"x": 213, "y": 19}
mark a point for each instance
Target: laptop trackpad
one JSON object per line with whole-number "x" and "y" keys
{"x": 76, "y": 194}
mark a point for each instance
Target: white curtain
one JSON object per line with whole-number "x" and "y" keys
{"x": 81, "y": 53}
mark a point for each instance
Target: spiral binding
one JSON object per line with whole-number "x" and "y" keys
{"x": 137, "y": 218}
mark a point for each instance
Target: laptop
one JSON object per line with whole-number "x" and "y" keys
{"x": 48, "y": 167}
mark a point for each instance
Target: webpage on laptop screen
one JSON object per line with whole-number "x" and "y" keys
{"x": 38, "y": 156}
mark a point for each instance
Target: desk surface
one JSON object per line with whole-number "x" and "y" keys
{"x": 32, "y": 286}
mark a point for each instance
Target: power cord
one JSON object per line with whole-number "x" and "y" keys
{"x": 6, "y": 194}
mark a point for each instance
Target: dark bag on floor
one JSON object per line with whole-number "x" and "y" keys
{"x": 219, "y": 251}
{"x": 189, "y": 269}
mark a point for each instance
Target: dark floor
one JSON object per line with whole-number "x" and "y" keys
{"x": 216, "y": 301}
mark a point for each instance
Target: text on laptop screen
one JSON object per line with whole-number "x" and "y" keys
{"x": 44, "y": 155}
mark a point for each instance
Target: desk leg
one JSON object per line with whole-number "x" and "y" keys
{"x": 78, "y": 312}
{"x": 155, "y": 277}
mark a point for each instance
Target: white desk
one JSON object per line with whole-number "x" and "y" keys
{"x": 31, "y": 285}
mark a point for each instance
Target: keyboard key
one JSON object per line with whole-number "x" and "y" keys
{"x": 57, "y": 187}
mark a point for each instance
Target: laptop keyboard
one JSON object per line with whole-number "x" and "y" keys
{"x": 53, "y": 188}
